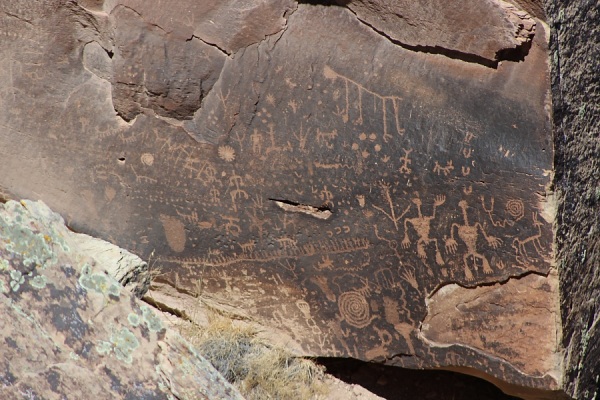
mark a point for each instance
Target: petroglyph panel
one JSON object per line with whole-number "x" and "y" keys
{"x": 430, "y": 171}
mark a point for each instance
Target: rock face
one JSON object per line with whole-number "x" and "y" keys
{"x": 492, "y": 31}
{"x": 575, "y": 51}
{"x": 322, "y": 169}
{"x": 70, "y": 330}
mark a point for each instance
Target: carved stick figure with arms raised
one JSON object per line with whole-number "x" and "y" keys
{"x": 469, "y": 235}
{"x": 422, "y": 226}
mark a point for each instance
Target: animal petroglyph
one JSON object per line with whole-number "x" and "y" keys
{"x": 532, "y": 243}
{"x": 325, "y": 138}
{"x": 469, "y": 234}
{"x": 287, "y": 243}
{"x": 422, "y": 226}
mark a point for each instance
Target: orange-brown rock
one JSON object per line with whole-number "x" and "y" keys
{"x": 321, "y": 169}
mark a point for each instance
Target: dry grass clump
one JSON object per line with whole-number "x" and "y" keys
{"x": 258, "y": 369}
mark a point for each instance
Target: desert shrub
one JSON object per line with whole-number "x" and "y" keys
{"x": 258, "y": 369}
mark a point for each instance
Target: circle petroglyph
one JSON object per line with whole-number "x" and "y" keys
{"x": 354, "y": 309}
{"x": 226, "y": 153}
{"x": 515, "y": 208}
{"x": 147, "y": 159}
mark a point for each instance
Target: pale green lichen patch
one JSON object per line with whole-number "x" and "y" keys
{"x": 4, "y": 265}
{"x": 125, "y": 343}
{"x": 99, "y": 282}
{"x": 29, "y": 246}
{"x": 16, "y": 280}
{"x": 104, "y": 347}
{"x": 38, "y": 282}
{"x": 152, "y": 321}
{"x": 122, "y": 343}
{"x": 134, "y": 319}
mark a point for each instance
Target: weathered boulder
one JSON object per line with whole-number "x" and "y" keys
{"x": 575, "y": 51}
{"x": 70, "y": 330}
{"x": 327, "y": 177}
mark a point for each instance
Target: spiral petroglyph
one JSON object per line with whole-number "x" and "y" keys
{"x": 515, "y": 208}
{"x": 147, "y": 159}
{"x": 354, "y": 309}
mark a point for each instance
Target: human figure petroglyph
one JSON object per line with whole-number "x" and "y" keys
{"x": 215, "y": 195}
{"x": 238, "y": 193}
{"x": 256, "y": 139}
{"x": 531, "y": 242}
{"x": 406, "y": 161}
{"x": 326, "y": 196}
{"x": 422, "y": 226}
{"x": 469, "y": 234}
